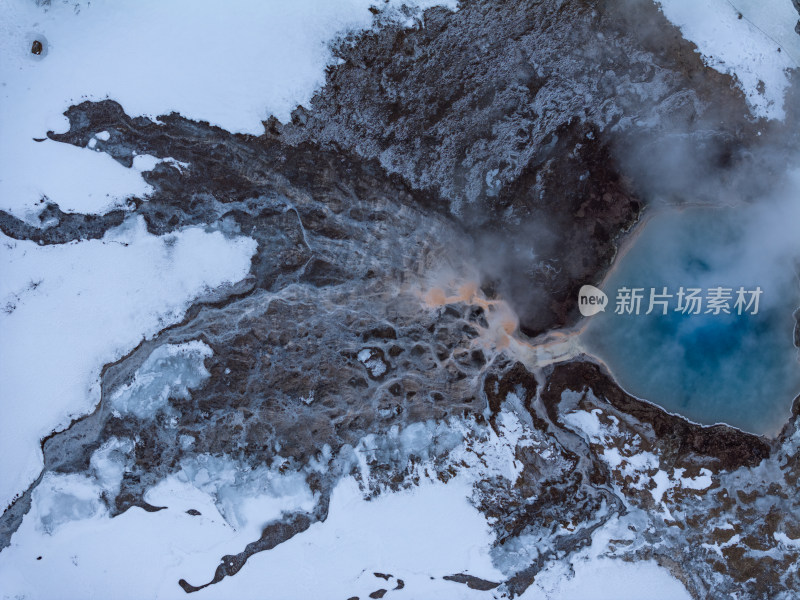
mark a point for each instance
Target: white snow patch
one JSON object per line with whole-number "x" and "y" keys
{"x": 502, "y": 456}
{"x": 148, "y": 162}
{"x": 372, "y": 361}
{"x": 662, "y": 481}
{"x": 77, "y": 179}
{"x": 67, "y": 310}
{"x": 232, "y": 64}
{"x": 431, "y": 530}
{"x": 786, "y": 540}
{"x": 701, "y": 482}
{"x": 747, "y": 48}
{"x": 636, "y": 465}
{"x": 420, "y": 441}
{"x": 589, "y": 423}
{"x": 485, "y": 452}
{"x": 137, "y": 554}
{"x": 376, "y": 367}
{"x": 777, "y": 19}
{"x": 609, "y": 579}
{"x": 593, "y": 575}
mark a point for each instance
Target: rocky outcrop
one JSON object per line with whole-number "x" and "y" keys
{"x": 528, "y": 119}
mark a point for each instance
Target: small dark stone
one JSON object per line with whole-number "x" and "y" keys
{"x": 194, "y": 512}
{"x": 472, "y": 582}
{"x": 38, "y": 558}
{"x": 358, "y": 382}
{"x": 378, "y": 593}
{"x": 452, "y": 311}
{"x": 478, "y": 357}
{"x": 386, "y": 332}
{"x": 395, "y": 351}
{"x": 470, "y": 331}
{"x": 36, "y": 47}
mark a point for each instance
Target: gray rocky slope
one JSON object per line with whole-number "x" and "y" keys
{"x": 423, "y": 227}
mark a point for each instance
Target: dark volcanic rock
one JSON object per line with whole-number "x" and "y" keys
{"x": 58, "y": 227}
{"x": 472, "y": 582}
{"x": 678, "y": 439}
{"x": 518, "y": 114}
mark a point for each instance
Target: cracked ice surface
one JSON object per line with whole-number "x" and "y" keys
{"x": 169, "y": 372}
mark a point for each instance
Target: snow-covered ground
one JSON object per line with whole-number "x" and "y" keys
{"x": 67, "y": 310}
{"x": 418, "y": 535}
{"x": 70, "y": 309}
{"x": 427, "y": 531}
{"x": 590, "y": 576}
{"x": 757, "y": 48}
{"x": 232, "y": 64}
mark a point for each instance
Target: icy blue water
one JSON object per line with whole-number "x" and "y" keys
{"x": 732, "y": 368}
